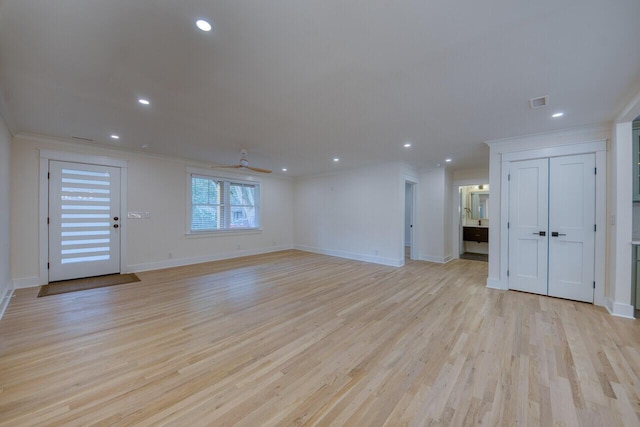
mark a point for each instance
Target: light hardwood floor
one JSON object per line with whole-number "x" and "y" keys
{"x": 295, "y": 338}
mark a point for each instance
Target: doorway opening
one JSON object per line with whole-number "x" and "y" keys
{"x": 409, "y": 230}
{"x": 82, "y": 233}
{"x": 552, "y": 226}
{"x": 474, "y": 222}
{"x": 84, "y": 220}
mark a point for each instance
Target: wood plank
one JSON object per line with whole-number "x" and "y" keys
{"x": 293, "y": 338}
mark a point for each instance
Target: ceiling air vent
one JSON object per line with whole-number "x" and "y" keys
{"x": 79, "y": 138}
{"x": 540, "y": 102}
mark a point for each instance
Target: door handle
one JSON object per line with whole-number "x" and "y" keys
{"x": 540, "y": 233}
{"x": 556, "y": 234}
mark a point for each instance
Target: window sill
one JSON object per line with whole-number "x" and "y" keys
{"x": 220, "y": 233}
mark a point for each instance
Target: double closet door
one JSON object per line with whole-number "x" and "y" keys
{"x": 552, "y": 226}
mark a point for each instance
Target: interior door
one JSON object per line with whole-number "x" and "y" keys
{"x": 572, "y": 227}
{"x": 528, "y": 225}
{"x": 84, "y": 220}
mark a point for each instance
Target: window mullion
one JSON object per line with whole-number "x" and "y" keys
{"x": 212, "y": 210}
{"x": 227, "y": 205}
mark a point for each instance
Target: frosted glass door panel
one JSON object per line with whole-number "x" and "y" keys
{"x": 84, "y": 220}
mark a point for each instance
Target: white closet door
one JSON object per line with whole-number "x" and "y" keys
{"x": 84, "y": 220}
{"x": 528, "y": 220}
{"x": 571, "y": 225}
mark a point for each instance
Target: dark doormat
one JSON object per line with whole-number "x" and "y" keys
{"x": 64, "y": 286}
{"x": 475, "y": 257}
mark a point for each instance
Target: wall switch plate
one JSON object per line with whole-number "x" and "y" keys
{"x": 134, "y": 215}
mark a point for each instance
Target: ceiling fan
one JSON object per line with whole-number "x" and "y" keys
{"x": 244, "y": 164}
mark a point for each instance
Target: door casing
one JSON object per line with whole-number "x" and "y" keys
{"x": 548, "y": 194}
{"x": 599, "y": 147}
{"x": 43, "y": 199}
{"x": 104, "y": 245}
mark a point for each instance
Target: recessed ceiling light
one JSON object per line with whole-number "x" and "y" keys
{"x": 203, "y": 25}
{"x": 144, "y": 101}
{"x": 447, "y": 160}
{"x": 284, "y": 169}
{"x": 115, "y": 137}
{"x": 336, "y": 159}
{"x": 556, "y": 115}
{"x": 407, "y": 145}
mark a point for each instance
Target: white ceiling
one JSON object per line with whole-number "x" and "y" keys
{"x": 300, "y": 82}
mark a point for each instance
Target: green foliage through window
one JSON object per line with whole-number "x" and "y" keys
{"x": 218, "y": 204}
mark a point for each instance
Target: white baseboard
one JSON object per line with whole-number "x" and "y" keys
{"x": 494, "y": 283}
{"x": 620, "y": 310}
{"x": 350, "y": 255}
{"x": 4, "y": 302}
{"x": 26, "y": 282}
{"x": 437, "y": 259}
{"x": 179, "y": 262}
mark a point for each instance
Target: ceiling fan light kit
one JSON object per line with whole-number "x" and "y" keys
{"x": 243, "y": 164}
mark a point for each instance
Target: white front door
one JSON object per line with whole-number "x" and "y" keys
{"x": 551, "y": 226}
{"x": 572, "y": 199}
{"x": 84, "y": 220}
{"x": 528, "y": 223}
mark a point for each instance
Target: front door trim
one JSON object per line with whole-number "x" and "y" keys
{"x": 43, "y": 205}
{"x": 599, "y": 147}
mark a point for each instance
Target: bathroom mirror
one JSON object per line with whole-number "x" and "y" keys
{"x": 479, "y": 204}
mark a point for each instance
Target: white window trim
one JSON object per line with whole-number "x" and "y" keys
{"x": 236, "y": 178}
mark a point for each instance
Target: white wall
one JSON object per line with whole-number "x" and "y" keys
{"x": 157, "y": 185}
{"x": 448, "y": 215}
{"x": 357, "y": 214}
{"x": 435, "y": 215}
{"x": 5, "y": 235}
{"x": 620, "y": 211}
{"x": 471, "y": 176}
{"x": 620, "y": 225}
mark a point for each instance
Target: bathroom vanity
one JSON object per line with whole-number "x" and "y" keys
{"x": 475, "y": 234}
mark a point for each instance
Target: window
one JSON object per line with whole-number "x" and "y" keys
{"x": 223, "y": 204}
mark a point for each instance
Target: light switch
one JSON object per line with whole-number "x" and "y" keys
{"x": 134, "y": 215}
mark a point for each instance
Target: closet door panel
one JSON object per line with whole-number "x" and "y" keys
{"x": 528, "y": 220}
{"x": 571, "y": 226}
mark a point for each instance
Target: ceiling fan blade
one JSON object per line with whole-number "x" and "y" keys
{"x": 259, "y": 169}
{"x": 226, "y": 166}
